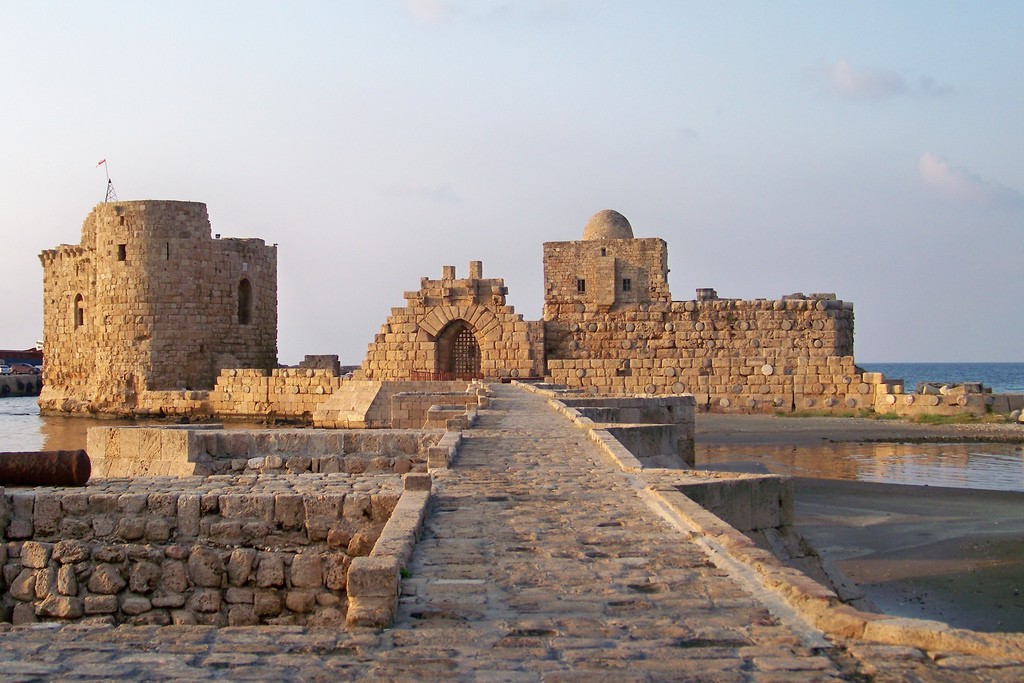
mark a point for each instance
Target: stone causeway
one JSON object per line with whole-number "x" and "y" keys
{"x": 543, "y": 557}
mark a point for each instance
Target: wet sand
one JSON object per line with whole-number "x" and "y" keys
{"x": 953, "y": 555}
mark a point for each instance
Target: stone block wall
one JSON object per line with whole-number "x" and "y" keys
{"x": 281, "y": 394}
{"x": 150, "y": 301}
{"x": 240, "y": 550}
{"x": 787, "y": 354}
{"x": 411, "y": 410}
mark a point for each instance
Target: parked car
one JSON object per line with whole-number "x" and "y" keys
{"x": 5, "y": 370}
{"x": 23, "y": 369}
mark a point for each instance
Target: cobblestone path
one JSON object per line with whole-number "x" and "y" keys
{"x": 539, "y": 562}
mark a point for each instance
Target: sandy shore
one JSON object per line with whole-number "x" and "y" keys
{"x": 953, "y": 555}
{"x": 715, "y": 429}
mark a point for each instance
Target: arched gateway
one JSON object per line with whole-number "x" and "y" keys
{"x": 456, "y": 329}
{"x": 458, "y": 352}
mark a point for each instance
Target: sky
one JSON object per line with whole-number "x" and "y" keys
{"x": 871, "y": 149}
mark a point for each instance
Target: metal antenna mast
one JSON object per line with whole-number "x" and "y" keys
{"x": 111, "y": 195}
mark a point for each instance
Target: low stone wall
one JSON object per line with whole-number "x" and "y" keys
{"x": 367, "y": 404}
{"x": 221, "y": 550}
{"x": 412, "y": 410}
{"x": 746, "y": 502}
{"x": 729, "y": 384}
{"x": 284, "y": 394}
{"x": 668, "y": 443}
{"x": 931, "y": 399}
{"x": 210, "y": 449}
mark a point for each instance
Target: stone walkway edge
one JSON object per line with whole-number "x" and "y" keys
{"x": 815, "y": 603}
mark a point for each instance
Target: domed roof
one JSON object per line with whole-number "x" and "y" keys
{"x": 608, "y": 225}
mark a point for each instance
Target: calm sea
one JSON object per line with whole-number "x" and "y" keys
{"x": 974, "y": 466}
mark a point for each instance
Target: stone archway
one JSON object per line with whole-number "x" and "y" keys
{"x": 458, "y": 352}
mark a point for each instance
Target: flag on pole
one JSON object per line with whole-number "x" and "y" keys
{"x": 102, "y": 161}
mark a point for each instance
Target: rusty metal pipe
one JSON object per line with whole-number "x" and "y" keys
{"x": 45, "y": 468}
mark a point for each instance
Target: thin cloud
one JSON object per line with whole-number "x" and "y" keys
{"x": 963, "y": 185}
{"x": 430, "y": 11}
{"x": 874, "y": 85}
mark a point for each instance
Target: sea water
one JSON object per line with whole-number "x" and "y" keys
{"x": 975, "y": 466}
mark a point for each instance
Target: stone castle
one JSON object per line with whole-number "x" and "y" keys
{"x": 611, "y": 327}
{"x": 150, "y": 315}
{"x": 148, "y": 302}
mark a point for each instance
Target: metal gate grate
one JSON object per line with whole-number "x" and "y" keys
{"x": 465, "y": 358}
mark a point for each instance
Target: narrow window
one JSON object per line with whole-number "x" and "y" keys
{"x": 627, "y": 284}
{"x": 122, "y": 252}
{"x": 79, "y": 311}
{"x": 167, "y": 252}
{"x": 244, "y": 302}
{"x": 604, "y": 252}
{"x": 581, "y": 286}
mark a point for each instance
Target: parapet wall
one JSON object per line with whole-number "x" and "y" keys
{"x": 283, "y": 394}
{"x": 206, "y": 450}
{"x": 229, "y": 550}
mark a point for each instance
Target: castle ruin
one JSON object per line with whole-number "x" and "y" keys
{"x": 150, "y": 302}
{"x": 610, "y": 326}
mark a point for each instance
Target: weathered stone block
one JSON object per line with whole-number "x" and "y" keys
{"x": 24, "y": 586}
{"x": 99, "y": 604}
{"x": 267, "y": 603}
{"x": 289, "y": 511}
{"x": 131, "y": 528}
{"x": 373, "y": 577}
{"x": 67, "y": 581}
{"x": 36, "y": 555}
{"x": 239, "y": 565}
{"x": 60, "y": 606}
{"x": 248, "y": 506}
{"x": 206, "y": 567}
{"x": 205, "y": 600}
{"x": 70, "y": 551}
{"x": 242, "y": 615}
{"x": 306, "y": 571}
{"x": 144, "y": 577}
{"x": 135, "y": 604}
{"x": 301, "y": 601}
{"x": 188, "y": 514}
{"x": 270, "y": 571}
{"x": 106, "y": 579}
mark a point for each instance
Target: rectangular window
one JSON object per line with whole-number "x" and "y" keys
{"x": 627, "y": 284}
{"x": 581, "y": 286}
{"x": 122, "y": 252}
